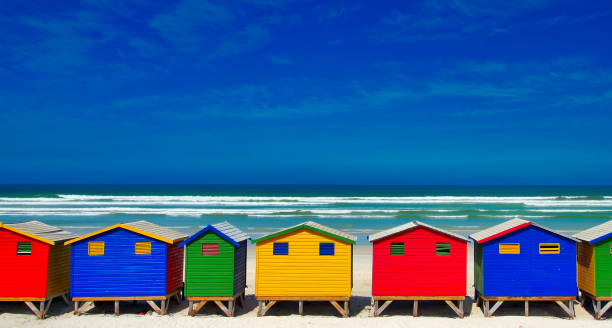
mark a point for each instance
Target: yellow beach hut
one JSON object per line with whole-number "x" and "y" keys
{"x": 306, "y": 262}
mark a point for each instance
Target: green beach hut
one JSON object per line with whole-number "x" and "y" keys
{"x": 215, "y": 267}
{"x": 595, "y": 266}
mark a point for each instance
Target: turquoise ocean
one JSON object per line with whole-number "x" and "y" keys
{"x": 360, "y": 210}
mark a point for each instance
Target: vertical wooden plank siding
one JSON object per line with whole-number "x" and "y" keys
{"x": 303, "y": 272}
{"x": 209, "y": 275}
{"x": 478, "y": 268}
{"x": 240, "y": 262}
{"x": 22, "y": 275}
{"x": 603, "y": 268}
{"x": 529, "y": 273}
{"x": 419, "y": 271}
{"x": 119, "y": 272}
{"x": 174, "y": 269}
{"x": 58, "y": 277}
{"x": 586, "y": 267}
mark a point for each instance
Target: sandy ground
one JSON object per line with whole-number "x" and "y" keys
{"x": 319, "y": 314}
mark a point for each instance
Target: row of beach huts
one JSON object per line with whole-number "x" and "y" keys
{"x": 516, "y": 260}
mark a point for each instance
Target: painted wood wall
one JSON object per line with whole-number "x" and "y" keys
{"x": 529, "y": 274}
{"x": 119, "y": 272}
{"x": 240, "y": 262}
{"x": 209, "y": 275}
{"x": 303, "y": 272}
{"x": 58, "y": 276}
{"x": 419, "y": 272}
{"x": 22, "y": 275}
{"x": 174, "y": 268}
{"x": 603, "y": 268}
{"x": 586, "y": 267}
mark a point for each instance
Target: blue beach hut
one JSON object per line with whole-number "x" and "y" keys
{"x": 127, "y": 262}
{"x": 519, "y": 260}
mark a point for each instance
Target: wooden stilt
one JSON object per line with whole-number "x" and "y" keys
{"x": 568, "y": 309}
{"x": 495, "y": 307}
{"x": 65, "y": 299}
{"x": 347, "y": 309}
{"x": 605, "y": 309}
{"x": 415, "y": 308}
{"x": 339, "y": 308}
{"x": 264, "y": 307}
{"x": 374, "y": 307}
{"x": 486, "y": 308}
{"x": 301, "y": 307}
{"x": 190, "y": 312}
{"x": 457, "y": 310}
{"x": 76, "y": 307}
{"x": 116, "y": 307}
{"x": 382, "y": 308}
{"x": 34, "y": 309}
{"x": 156, "y": 308}
{"x": 526, "y": 308}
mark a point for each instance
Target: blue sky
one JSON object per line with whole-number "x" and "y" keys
{"x": 271, "y": 91}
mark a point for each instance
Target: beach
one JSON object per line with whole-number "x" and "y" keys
{"x": 319, "y": 314}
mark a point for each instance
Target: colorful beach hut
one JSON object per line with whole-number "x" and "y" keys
{"x": 127, "y": 261}
{"x": 416, "y": 261}
{"x": 595, "y": 266}
{"x": 34, "y": 264}
{"x": 215, "y": 267}
{"x": 306, "y": 262}
{"x": 519, "y": 260}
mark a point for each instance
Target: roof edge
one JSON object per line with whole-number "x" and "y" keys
{"x": 126, "y": 227}
{"x": 302, "y": 226}
{"x": 21, "y": 232}
{"x": 205, "y": 229}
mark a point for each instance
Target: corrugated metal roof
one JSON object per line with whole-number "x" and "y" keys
{"x": 507, "y": 227}
{"x": 497, "y": 229}
{"x": 154, "y": 229}
{"x": 596, "y": 233}
{"x": 313, "y": 225}
{"x": 231, "y": 231}
{"x": 408, "y": 226}
{"x": 42, "y": 230}
{"x": 224, "y": 230}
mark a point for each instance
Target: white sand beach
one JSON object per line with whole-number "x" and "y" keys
{"x": 317, "y": 314}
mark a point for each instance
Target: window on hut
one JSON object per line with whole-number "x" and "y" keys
{"x": 95, "y": 248}
{"x": 210, "y": 249}
{"x": 24, "y": 248}
{"x": 509, "y": 248}
{"x": 326, "y": 249}
{"x": 281, "y": 248}
{"x": 442, "y": 248}
{"x": 142, "y": 248}
{"x": 550, "y": 248}
{"x": 396, "y": 248}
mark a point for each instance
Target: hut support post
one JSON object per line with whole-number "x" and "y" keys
{"x": 229, "y": 310}
{"x": 301, "y": 307}
{"x": 116, "y": 307}
{"x": 457, "y": 309}
{"x": 374, "y": 306}
{"x": 603, "y": 310}
{"x": 193, "y": 311}
{"x": 382, "y": 308}
{"x": 526, "y": 308}
{"x": 489, "y": 311}
{"x": 263, "y": 307}
{"x": 65, "y": 299}
{"x": 415, "y": 308}
{"x": 568, "y": 309}
{"x": 39, "y": 312}
{"x": 343, "y": 312}
{"x": 162, "y": 309}
{"x": 85, "y": 307}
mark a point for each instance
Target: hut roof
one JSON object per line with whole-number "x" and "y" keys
{"x": 313, "y": 226}
{"x": 140, "y": 227}
{"x": 224, "y": 230}
{"x": 408, "y": 226}
{"x": 39, "y": 231}
{"x": 507, "y": 227}
{"x": 596, "y": 233}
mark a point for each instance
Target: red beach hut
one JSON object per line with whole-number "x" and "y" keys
{"x": 34, "y": 264}
{"x": 416, "y": 261}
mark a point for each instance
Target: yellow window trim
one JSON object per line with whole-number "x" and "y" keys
{"x": 142, "y": 248}
{"x": 550, "y": 248}
{"x": 509, "y": 248}
{"x": 95, "y": 248}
